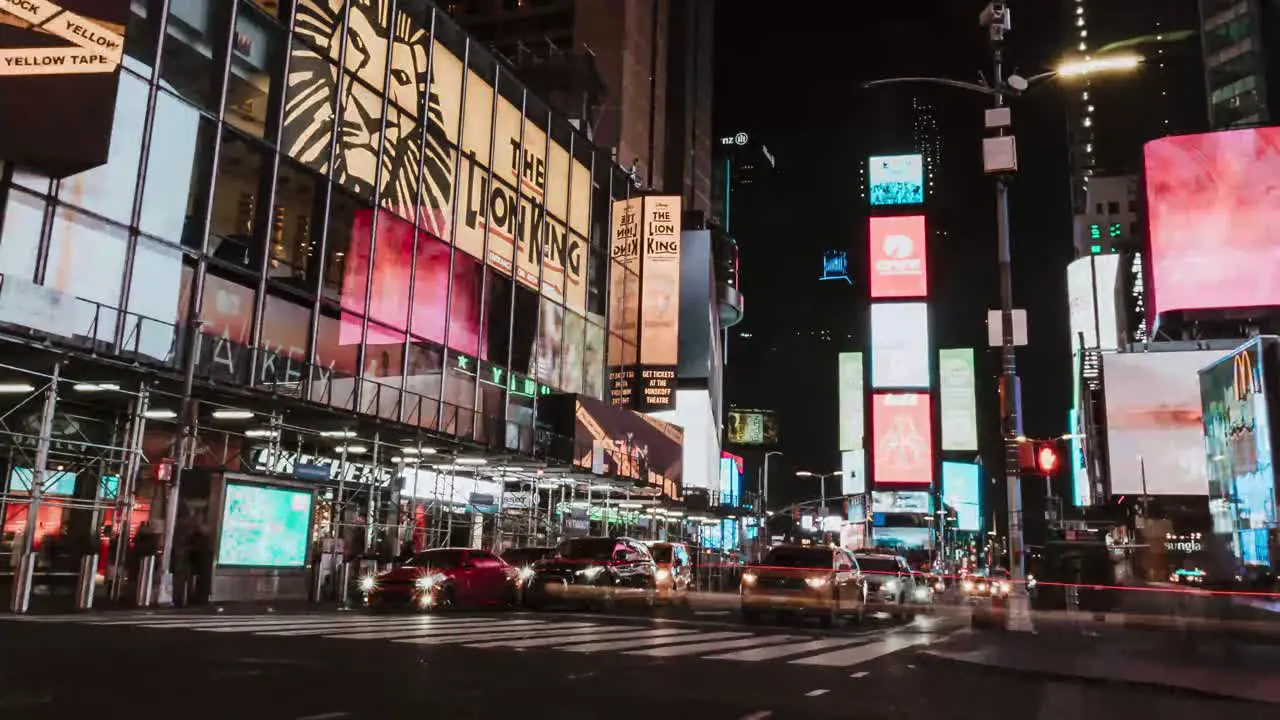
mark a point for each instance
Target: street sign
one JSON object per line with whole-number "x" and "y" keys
{"x": 995, "y": 330}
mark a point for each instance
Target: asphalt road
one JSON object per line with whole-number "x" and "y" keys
{"x": 349, "y": 666}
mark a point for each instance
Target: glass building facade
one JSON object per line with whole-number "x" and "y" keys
{"x": 343, "y": 201}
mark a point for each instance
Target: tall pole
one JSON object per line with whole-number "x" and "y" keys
{"x": 1010, "y": 391}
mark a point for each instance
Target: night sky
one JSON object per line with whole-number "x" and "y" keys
{"x": 792, "y": 81}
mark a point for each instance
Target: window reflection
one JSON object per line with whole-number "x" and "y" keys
{"x": 547, "y": 359}
{"x": 294, "y": 231}
{"x": 180, "y": 163}
{"x": 575, "y": 327}
{"x": 524, "y": 330}
{"x": 86, "y": 260}
{"x": 497, "y": 323}
{"x": 342, "y": 220}
{"x": 258, "y": 53}
{"x": 196, "y": 33}
{"x": 154, "y": 298}
{"x": 593, "y": 361}
{"x": 235, "y": 212}
{"x": 107, "y": 190}
{"x": 20, "y": 241}
{"x": 464, "y": 309}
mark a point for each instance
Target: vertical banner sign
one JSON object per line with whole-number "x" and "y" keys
{"x": 624, "y": 294}
{"x": 58, "y": 77}
{"x": 959, "y": 400}
{"x": 903, "y": 437}
{"x": 659, "y": 305}
{"x": 897, "y": 247}
{"x": 849, "y": 398}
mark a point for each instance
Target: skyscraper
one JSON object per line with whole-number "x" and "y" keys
{"x": 1242, "y": 70}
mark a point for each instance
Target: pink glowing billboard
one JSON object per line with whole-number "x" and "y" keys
{"x": 1214, "y": 206}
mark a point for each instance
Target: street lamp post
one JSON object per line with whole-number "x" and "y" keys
{"x": 998, "y": 22}
{"x": 822, "y": 481}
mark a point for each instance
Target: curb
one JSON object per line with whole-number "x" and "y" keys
{"x": 1185, "y": 690}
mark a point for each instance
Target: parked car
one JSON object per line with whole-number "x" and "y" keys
{"x": 523, "y": 559}
{"x": 892, "y": 585}
{"x": 675, "y": 570}
{"x": 593, "y": 572}
{"x": 443, "y": 579}
{"x": 822, "y": 581}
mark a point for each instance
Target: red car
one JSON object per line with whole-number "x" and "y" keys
{"x": 444, "y": 579}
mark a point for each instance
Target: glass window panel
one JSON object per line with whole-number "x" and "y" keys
{"x": 425, "y": 365}
{"x": 497, "y": 323}
{"x": 295, "y": 226}
{"x": 472, "y": 180}
{"x": 557, "y": 196}
{"x": 500, "y": 219}
{"x": 286, "y": 325}
{"x": 549, "y": 356}
{"x": 530, "y": 229}
{"x": 196, "y": 35}
{"x": 307, "y": 133}
{"x": 86, "y": 260}
{"x": 140, "y": 36}
{"x": 593, "y": 361}
{"x": 524, "y": 328}
{"x": 235, "y": 216}
{"x": 446, "y": 78}
{"x": 580, "y": 187}
{"x": 270, "y": 8}
{"x": 359, "y": 137}
{"x": 343, "y": 217}
{"x": 597, "y": 278}
{"x": 336, "y": 357}
{"x": 388, "y": 289}
{"x": 155, "y": 296}
{"x": 430, "y": 289}
{"x": 108, "y": 190}
{"x": 384, "y": 358}
{"x": 178, "y": 170}
{"x": 256, "y": 63}
{"x": 33, "y": 181}
{"x": 571, "y": 358}
{"x": 464, "y": 309}
{"x": 569, "y": 251}
{"x": 23, "y": 220}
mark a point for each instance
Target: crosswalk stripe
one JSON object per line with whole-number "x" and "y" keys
{"x": 613, "y": 645}
{"x": 700, "y": 648}
{"x": 207, "y": 621}
{"x": 404, "y": 623}
{"x": 516, "y": 633}
{"x": 862, "y": 653}
{"x": 779, "y": 651}
{"x": 432, "y": 629}
{"x": 334, "y": 625}
{"x": 614, "y": 632}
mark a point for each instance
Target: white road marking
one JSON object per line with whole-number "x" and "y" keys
{"x": 684, "y": 636}
{"x": 602, "y": 633}
{"x": 494, "y": 635}
{"x": 859, "y": 674}
{"x": 367, "y": 627}
{"x": 438, "y": 630}
{"x": 758, "y": 715}
{"x": 778, "y": 651}
{"x": 706, "y": 647}
{"x": 863, "y": 653}
{"x": 326, "y": 716}
{"x": 816, "y": 693}
{"x": 273, "y": 627}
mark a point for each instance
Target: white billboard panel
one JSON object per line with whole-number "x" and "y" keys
{"x": 853, "y": 468}
{"x": 1154, "y": 421}
{"x": 850, "y": 401}
{"x": 958, "y": 396}
{"x": 899, "y": 345}
{"x": 1092, "y": 284}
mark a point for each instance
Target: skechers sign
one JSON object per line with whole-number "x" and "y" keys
{"x": 58, "y": 64}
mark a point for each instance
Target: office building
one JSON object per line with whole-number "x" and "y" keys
{"x": 1242, "y": 70}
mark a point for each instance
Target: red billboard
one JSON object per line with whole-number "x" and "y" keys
{"x": 902, "y": 436}
{"x": 897, "y": 247}
{"x": 1213, "y": 204}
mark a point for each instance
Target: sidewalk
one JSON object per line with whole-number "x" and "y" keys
{"x": 1194, "y": 663}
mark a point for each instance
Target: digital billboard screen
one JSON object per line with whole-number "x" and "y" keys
{"x": 899, "y": 346}
{"x": 901, "y": 538}
{"x": 849, "y": 401}
{"x": 958, "y": 397}
{"x": 265, "y": 527}
{"x": 896, "y": 179}
{"x": 912, "y": 503}
{"x": 1091, "y": 294}
{"x": 1154, "y": 435}
{"x": 897, "y": 247}
{"x": 853, "y": 468}
{"x": 903, "y": 439}
{"x": 962, "y": 490}
{"x": 1211, "y": 201}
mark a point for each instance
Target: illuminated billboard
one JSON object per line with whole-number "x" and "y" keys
{"x": 849, "y": 392}
{"x": 897, "y": 247}
{"x": 264, "y": 527}
{"x": 899, "y": 346}
{"x": 751, "y": 427}
{"x": 896, "y": 179}
{"x": 835, "y": 266}
{"x": 958, "y": 399}
{"x": 1155, "y": 440}
{"x": 1092, "y": 285}
{"x": 853, "y": 472}
{"x": 913, "y": 503}
{"x": 59, "y": 67}
{"x": 902, "y": 435}
{"x": 1213, "y": 212}
{"x": 962, "y": 490}
{"x": 659, "y": 304}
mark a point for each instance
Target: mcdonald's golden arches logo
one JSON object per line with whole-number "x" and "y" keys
{"x": 1243, "y": 380}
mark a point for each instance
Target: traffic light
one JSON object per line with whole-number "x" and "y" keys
{"x": 1046, "y": 458}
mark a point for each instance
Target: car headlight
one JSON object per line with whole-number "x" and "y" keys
{"x": 968, "y": 586}
{"x": 526, "y": 572}
{"x": 663, "y": 574}
{"x": 940, "y": 586}
{"x": 891, "y": 586}
{"x": 367, "y": 583}
{"x": 816, "y": 582}
{"x": 922, "y": 593}
{"x": 1031, "y": 582}
{"x": 426, "y": 582}
{"x": 591, "y": 573}
{"x": 748, "y": 578}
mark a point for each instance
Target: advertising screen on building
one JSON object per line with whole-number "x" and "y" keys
{"x": 610, "y": 440}
{"x": 962, "y": 490}
{"x": 59, "y": 67}
{"x": 898, "y": 248}
{"x": 1092, "y": 291}
{"x": 731, "y": 467}
{"x": 853, "y": 469}
{"x": 912, "y": 503}
{"x": 903, "y": 435}
{"x": 901, "y": 539}
{"x": 659, "y": 304}
{"x": 958, "y": 398}
{"x": 1213, "y": 214}
{"x": 1154, "y": 426}
{"x": 747, "y": 427}
{"x": 265, "y": 527}
{"x": 896, "y": 179}
{"x": 849, "y": 399}
{"x": 899, "y": 346}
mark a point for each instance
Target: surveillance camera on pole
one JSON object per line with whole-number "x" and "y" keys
{"x": 996, "y": 17}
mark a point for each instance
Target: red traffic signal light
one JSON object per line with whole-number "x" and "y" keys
{"x": 1046, "y": 458}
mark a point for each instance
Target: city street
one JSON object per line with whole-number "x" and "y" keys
{"x": 335, "y": 666}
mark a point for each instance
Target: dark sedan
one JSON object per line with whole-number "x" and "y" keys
{"x": 593, "y": 572}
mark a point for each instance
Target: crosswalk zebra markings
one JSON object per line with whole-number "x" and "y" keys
{"x": 780, "y": 651}
{"x": 435, "y": 629}
{"x": 705, "y": 647}
{"x": 499, "y": 635}
{"x": 862, "y": 653}
{"x": 585, "y": 636}
{"x": 238, "y": 625}
{"x": 336, "y": 625}
{"x": 243, "y": 619}
{"x": 402, "y": 624}
{"x": 613, "y": 645}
